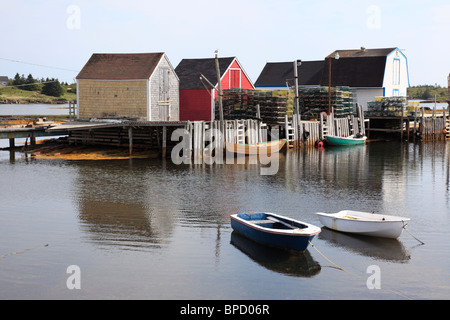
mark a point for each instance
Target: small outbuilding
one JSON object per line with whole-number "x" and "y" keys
{"x": 141, "y": 86}
{"x": 4, "y": 81}
{"x": 197, "y": 96}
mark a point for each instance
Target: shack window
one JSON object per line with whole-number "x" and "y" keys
{"x": 396, "y": 75}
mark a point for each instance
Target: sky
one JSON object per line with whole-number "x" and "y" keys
{"x": 55, "y": 38}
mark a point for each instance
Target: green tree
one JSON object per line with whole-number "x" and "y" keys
{"x": 31, "y": 84}
{"x": 18, "y": 80}
{"x": 426, "y": 94}
{"x": 52, "y": 87}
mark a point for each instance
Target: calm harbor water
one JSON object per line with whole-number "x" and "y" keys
{"x": 34, "y": 109}
{"x": 149, "y": 229}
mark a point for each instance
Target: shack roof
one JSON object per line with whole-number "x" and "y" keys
{"x": 189, "y": 70}
{"x": 120, "y": 66}
{"x": 367, "y": 72}
{"x": 357, "y": 68}
{"x": 276, "y": 74}
{"x": 362, "y": 53}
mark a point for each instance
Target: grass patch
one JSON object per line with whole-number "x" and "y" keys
{"x": 13, "y": 94}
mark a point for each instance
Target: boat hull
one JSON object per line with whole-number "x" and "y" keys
{"x": 282, "y": 238}
{"x": 345, "y": 141}
{"x": 257, "y": 148}
{"x": 364, "y": 223}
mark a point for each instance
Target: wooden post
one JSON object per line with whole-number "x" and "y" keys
{"x": 219, "y": 87}
{"x": 12, "y": 144}
{"x": 422, "y": 122}
{"x": 164, "y": 142}
{"x": 415, "y": 123}
{"x": 130, "y": 140}
{"x": 296, "y": 64}
{"x": 33, "y": 139}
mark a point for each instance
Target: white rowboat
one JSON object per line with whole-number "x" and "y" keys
{"x": 365, "y": 223}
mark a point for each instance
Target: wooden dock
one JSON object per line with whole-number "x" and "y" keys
{"x": 204, "y": 136}
{"x": 145, "y": 135}
{"x": 421, "y": 125}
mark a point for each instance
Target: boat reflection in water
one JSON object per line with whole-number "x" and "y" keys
{"x": 291, "y": 263}
{"x": 374, "y": 247}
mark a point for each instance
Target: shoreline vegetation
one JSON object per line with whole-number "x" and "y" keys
{"x": 29, "y": 90}
{"x": 13, "y": 95}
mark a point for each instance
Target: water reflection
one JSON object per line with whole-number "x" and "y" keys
{"x": 374, "y": 247}
{"x": 119, "y": 207}
{"x": 298, "y": 264}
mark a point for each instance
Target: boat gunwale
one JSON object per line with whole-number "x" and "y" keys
{"x": 364, "y": 219}
{"x": 260, "y": 144}
{"x": 351, "y": 137}
{"x": 286, "y": 232}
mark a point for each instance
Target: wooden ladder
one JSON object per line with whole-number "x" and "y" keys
{"x": 290, "y": 132}
{"x": 324, "y": 127}
{"x": 240, "y": 132}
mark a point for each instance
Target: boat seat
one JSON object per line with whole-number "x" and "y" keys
{"x": 260, "y": 221}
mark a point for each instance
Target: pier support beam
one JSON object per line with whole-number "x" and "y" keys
{"x": 130, "y": 140}
{"x": 164, "y": 142}
{"x": 12, "y": 144}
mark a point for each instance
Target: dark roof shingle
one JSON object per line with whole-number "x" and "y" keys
{"x": 367, "y": 72}
{"x": 276, "y": 74}
{"x": 120, "y": 66}
{"x": 188, "y": 71}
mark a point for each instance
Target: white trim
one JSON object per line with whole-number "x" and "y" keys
{"x": 245, "y": 73}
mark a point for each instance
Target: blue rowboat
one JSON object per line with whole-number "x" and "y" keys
{"x": 274, "y": 230}
{"x": 345, "y": 141}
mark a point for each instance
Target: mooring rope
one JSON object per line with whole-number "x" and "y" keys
{"x": 414, "y": 236}
{"x": 23, "y": 251}
{"x": 404, "y": 228}
{"x": 354, "y": 274}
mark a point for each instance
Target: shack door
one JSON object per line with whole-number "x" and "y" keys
{"x": 164, "y": 103}
{"x": 235, "y": 78}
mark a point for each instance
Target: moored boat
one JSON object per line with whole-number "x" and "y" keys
{"x": 256, "y": 148}
{"x": 345, "y": 141}
{"x": 274, "y": 230}
{"x": 364, "y": 223}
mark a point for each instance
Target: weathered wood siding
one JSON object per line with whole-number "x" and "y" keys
{"x": 164, "y": 86}
{"x": 112, "y": 98}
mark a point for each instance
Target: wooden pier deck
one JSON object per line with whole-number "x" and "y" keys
{"x": 158, "y": 135}
{"x": 426, "y": 126}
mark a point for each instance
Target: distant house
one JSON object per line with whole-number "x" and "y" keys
{"x": 4, "y": 81}
{"x": 197, "y": 97}
{"x": 370, "y": 72}
{"x": 142, "y": 86}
